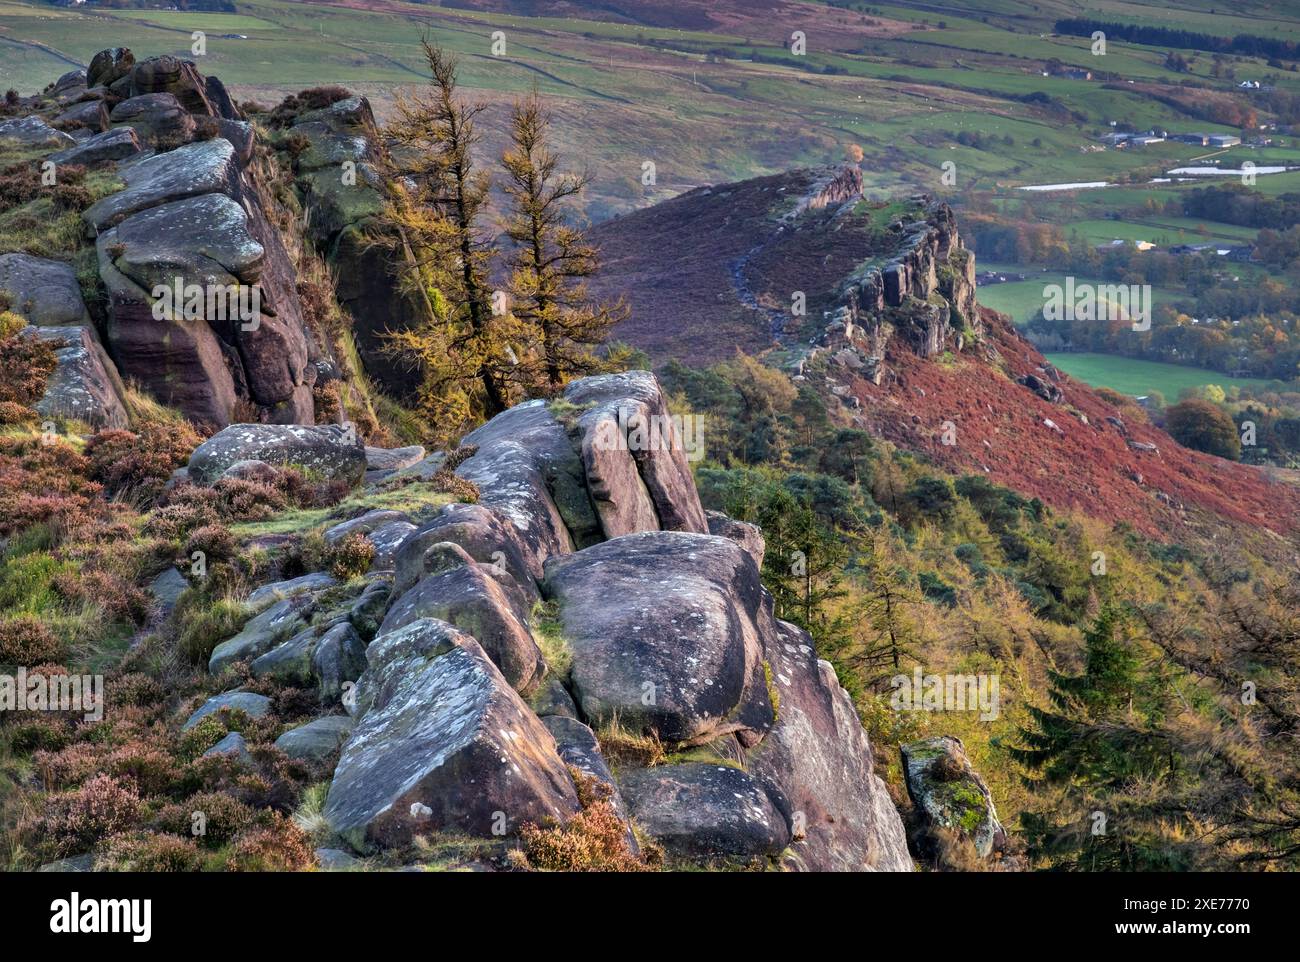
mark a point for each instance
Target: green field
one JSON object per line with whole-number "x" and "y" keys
{"x": 1022, "y": 300}
{"x": 1131, "y": 376}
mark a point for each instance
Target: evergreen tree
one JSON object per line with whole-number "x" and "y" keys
{"x": 1100, "y": 751}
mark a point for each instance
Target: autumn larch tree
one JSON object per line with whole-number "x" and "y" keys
{"x": 465, "y": 350}
{"x": 551, "y": 259}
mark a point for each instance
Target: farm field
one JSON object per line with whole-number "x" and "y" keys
{"x": 1022, "y": 300}
{"x": 706, "y": 101}
{"x": 1137, "y": 377}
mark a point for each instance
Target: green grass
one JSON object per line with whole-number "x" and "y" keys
{"x": 1136, "y": 377}
{"x": 1023, "y": 300}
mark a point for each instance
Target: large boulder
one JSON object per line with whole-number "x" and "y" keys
{"x": 32, "y": 132}
{"x": 44, "y": 291}
{"x": 172, "y": 75}
{"x": 263, "y": 632}
{"x": 949, "y": 795}
{"x": 470, "y": 598}
{"x": 705, "y": 811}
{"x": 250, "y": 703}
{"x": 328, "y": 450}
{"x": 205, "y": 167}
{"x": 157, "y": 119}
{"x": 480, "y": 531}
{"x": 817, "y": 766}
{"x": 201, "y": 240}
{"x": 443, "y": 744}
{"x": 111, "y": 145}
{"x": 528, "y": 472}
{"x": 665, "y": 630}
{"x": 317, "y": 740}
{"x": 629, "y": 436}
{"x": 85, "y": 386}
{"x": 91, "y": 114}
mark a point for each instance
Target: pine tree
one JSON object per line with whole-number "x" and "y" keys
{"x": 437, "y": 197}
{"x": 551, "y": 258}
{"x": 1101, "y": 754}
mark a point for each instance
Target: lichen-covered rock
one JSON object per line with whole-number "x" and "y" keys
{"x": 338, "y": 658}
{"x": 44, "y": 291}
{"x": 91, "y": 114}
{"x": 477, "y": 603}
{"x": 435, "y": 716}
{"x": 480, "y": 532}
{"x": 527, "y": 471}
{"x": 949, "y": 794}
{"x": 32, "y": 132}
{"x": 156, "y": 119}
{"x": 263, "y": 632}
{"x": 250, "y": 703}
{"x": 317, "y": 740}
{"x": 84, "y": 386}
{"x": 705, "y": 811}
{"x": 118, "y": 144}
{"x": 818, "y": 768}
{"x": 312, "y": 583}
{"x": 202, "y": 168}
{"x": 665, "y": 629}
{"x": 330, "y": 451}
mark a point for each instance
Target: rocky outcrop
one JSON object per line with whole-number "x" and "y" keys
{"x": 336, "y": 178}
{"x": 202, "y": 305}
{"x": 921, "y": 298}
{"x": 667, "y": 636}
{"x": 950, "y": 797}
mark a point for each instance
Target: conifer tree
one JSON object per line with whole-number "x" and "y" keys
{"x": 551, "y": 259}
{"x": 437, "y": 196}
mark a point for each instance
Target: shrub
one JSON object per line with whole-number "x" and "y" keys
{"x": 213, "y": 542}
{"x": 224, "y": 817}
{"x": 140, "y": 463}
{"x": 594, "y": 840}
{"x": 148, "y": 852}
{"x": 280, "y": 846}
{"x": 206, "y": 732}
{"x": 27, "y": 641}
{"x": 351, "y": 556}
{"x": 74, "y": 821}
{"x": 26, "y": 362}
